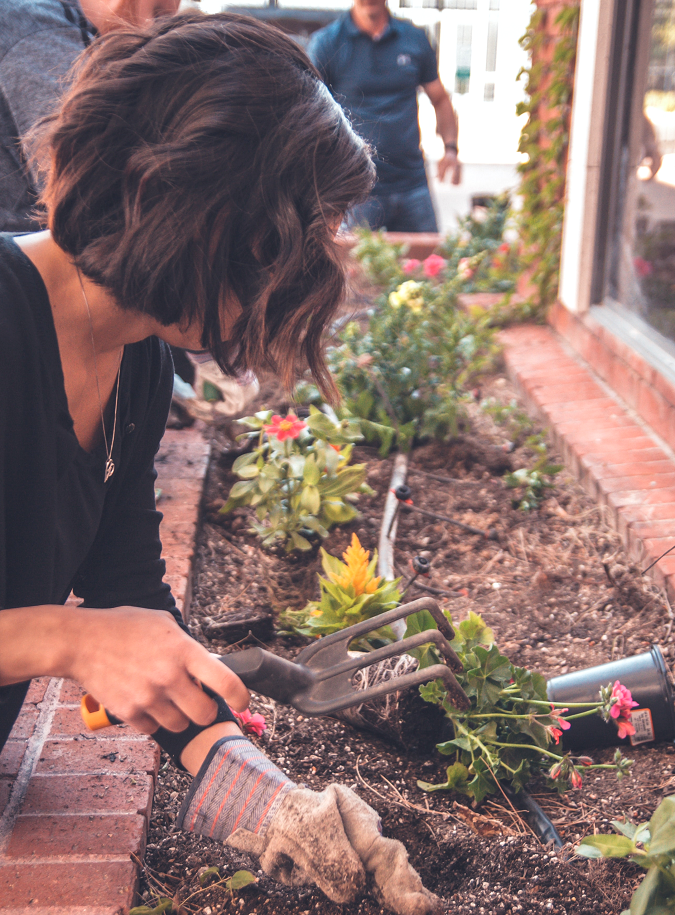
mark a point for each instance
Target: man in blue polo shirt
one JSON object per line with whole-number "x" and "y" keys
{"x": 373, "y": 64}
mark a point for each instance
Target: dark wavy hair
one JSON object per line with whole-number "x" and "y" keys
{"x": 199, "y": 160}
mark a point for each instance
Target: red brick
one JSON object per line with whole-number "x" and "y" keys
{"x": 51, "y": 836}
{"x": 641, "y": 497}
{"x": 90, "y": 794}
{"x": 580, "y": 392}
{"x": 71, "y": 692}
{"x": 630, "y": 455}
{"x": 11, "y": 756}
{"x": 589, "y": 440}
{"x": 608, "y": 469}
{"x": 605, "y": 423}
{"x": 37, "y": 689}
{"x": 25, "y": 723}
{"x": 637, "y": 482}
{"x": 99, "y": 884}
{"x": 646, "y": 531}
{"x": 68, "y": 722}
{"x": 5, "y": 789}
{"x": 88, "y": 756}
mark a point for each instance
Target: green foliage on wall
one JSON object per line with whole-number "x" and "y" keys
{"x": 544, "y": 139}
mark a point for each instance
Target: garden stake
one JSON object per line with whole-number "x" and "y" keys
{"x": 320, "y": 680}
{"x": 403, "y": 494}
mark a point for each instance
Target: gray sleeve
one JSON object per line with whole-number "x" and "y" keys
{"x": 33, "y": 75}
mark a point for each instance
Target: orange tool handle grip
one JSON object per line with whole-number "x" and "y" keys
{"x": 94, "y": 715}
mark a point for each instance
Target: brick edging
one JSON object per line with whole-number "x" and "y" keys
{"x": 75, "y": 805}
{"x": 619, "y": 460}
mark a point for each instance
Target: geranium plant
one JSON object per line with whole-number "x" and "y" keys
{"x": 298, "y": 477}
{"x": 350, "y": 592}
{"x": 511, "y": 731}
{"x": 650, "y": 845}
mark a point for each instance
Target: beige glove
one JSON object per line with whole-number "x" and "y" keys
{"x": 332, "y": 839}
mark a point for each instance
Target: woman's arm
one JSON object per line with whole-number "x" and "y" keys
{"x": 138, "y": 663}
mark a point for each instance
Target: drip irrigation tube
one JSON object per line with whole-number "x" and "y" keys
{"x": 541, "y": 825}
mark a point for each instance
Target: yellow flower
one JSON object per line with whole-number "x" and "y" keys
{"x": 409, "y": 294}
{"x": 356, "y": 573}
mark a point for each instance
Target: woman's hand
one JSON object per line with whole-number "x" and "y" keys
{"x": 145, "y": 670}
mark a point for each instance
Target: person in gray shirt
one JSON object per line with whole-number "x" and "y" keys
{"x": 39, "y": 41}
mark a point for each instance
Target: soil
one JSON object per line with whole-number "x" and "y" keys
{"x": 561, "y": 595}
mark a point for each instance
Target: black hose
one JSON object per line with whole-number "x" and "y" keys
{"x": 540, "y": 823}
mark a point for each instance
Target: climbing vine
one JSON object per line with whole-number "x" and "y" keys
{"x": 544, "y": 139}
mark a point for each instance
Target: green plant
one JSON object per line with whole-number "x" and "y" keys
{"x": 531, "y": 482}
{"x": 404, "y": 374}
{"x": 544, "y": 139}
{"x": 298, "y": 476}
{"x": 380, "y": 259}
{"x": 350, "y": 593}
{"x": 650, "y": 845}
{"x": 237, "y": 881}
{"x": 511, "y": 731}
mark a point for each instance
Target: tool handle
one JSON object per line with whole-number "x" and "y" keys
{"x": 259, "y": 670}
{"x": 268, "y": 674}
{"x": 94, "y": 715}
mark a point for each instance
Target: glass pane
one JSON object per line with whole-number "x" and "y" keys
{"x": 491, "y": 56}
{"x": 643, "y": 266}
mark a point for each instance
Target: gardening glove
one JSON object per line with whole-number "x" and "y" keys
{"x": 330, "y": 838}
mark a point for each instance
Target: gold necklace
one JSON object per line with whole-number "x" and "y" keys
{"x": 109, "y": 463}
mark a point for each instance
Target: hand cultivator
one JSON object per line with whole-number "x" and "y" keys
{"x": 319, "y": 681}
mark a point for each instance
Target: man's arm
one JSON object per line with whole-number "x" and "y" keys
{"x": 446, "y": 128}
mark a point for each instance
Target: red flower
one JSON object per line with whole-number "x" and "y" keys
{"x": 250, "y": 724}
{"x": 504, "y": 248}
{"x": 285, "y": 427}
{"x": 626, "y": 729}
{"x": 624, "y": 701}
{"x": 555, "y": 770}
{"x": 411, "y": 265}
{"x": 643, "y": 268}
{"x": 433, "y": 265}
{"x": 555, "y": 733}
{"x": 562, "y": 722}
{"x": 575, "y": 778}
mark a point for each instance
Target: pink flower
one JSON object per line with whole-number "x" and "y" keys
{"x": 411, "y": 265}
{"x": 464, "y": 269}
{"x": 575, "y": 778}
{"x": 643, "y": 268}
{"x": 623, "y": 701}
{"x": 250, "y": 724}
{"x": 504, "y": 248}
{"x": 626, "y": 729}
{"x": 285, "y": 427}
{"x": 433, "y": 265}
{"x": 562, "y": 722}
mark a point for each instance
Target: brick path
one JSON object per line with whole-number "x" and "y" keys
{"x": 75, "y": 805}
{"x": 618, "y": 459}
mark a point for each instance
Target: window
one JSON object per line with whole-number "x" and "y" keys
{"x": 463, "y": 69}
{"x": 635, "y": 267}
{"x": 491, "y": 56}
{"x": 460, "y": 4}
{"x": 489, "y": 93}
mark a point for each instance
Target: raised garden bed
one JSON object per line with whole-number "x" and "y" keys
{"x": 560, "y": 594}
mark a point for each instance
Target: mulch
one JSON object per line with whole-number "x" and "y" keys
{"x": 560, "y": 594}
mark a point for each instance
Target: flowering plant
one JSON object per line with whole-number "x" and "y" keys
{"x": 250, "y": 723}
{"x": 298, "y": 476}
{"x": 350, "y": 593}
{"x": 650, "y": 845}
{"x": 511, "y": 731}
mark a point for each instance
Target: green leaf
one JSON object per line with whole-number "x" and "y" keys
{"x": 312, "y": 473}
{"x": 244, "y": 460}
{"x": 249, "y": 472}
{"x": 299, "y": 541}
{"x": 209, "y": 872}
{"x": 653, "y": 895}
{"x": 239, "y": 880}
{"x": 457, "y": 778}
{"x": 164, "y": 905}
{"x": 338, "y": 512}
{"x": 310, "y": 499}
{"x": 662, "y": 828}
{"x": 606, "y": 847}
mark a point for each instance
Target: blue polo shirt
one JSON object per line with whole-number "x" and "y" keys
{"x": 376, "y": 82}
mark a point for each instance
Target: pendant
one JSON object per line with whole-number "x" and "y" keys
{"x": 109, "y": 469}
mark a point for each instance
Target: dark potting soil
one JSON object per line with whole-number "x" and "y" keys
{"x": 561, "y": 595}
